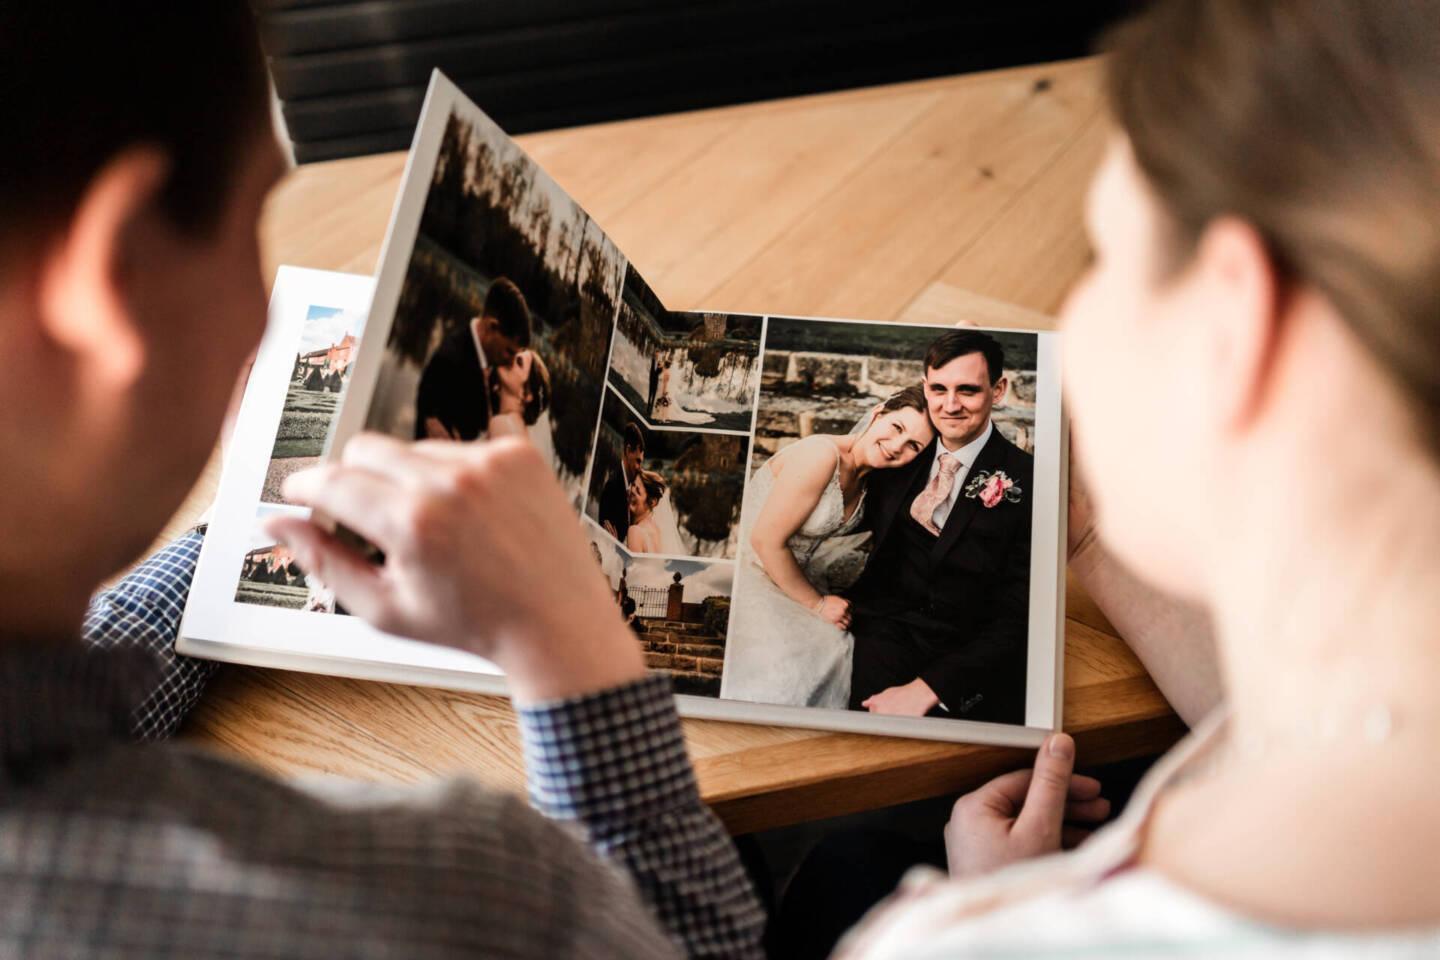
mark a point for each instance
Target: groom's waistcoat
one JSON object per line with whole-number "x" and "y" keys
{"x": 904, "y": 572}
{"x": 975, "y": 572}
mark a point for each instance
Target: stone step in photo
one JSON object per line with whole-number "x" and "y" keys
{"x": 673, "y": 663}
{"x": 695, "y": 684}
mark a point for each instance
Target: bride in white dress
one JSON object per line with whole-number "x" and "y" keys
{"x": 672, "y": 406}
{"x": 788, "y": 639}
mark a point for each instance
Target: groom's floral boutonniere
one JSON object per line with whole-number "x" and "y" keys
{"x": 992, "y": 488}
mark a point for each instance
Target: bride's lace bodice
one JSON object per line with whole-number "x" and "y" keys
{"x": 777, "y": 650}
{"x": 826, "y": 521}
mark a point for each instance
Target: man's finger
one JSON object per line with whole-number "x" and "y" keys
{"x": 382, "y": 455}
{"x": 1044, "y": 807}
{"x": 356, "y": 498}
{"x": 358, "y": 585}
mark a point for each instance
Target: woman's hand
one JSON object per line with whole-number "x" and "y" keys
{"x": 836, "y": 610}
{"x": 482, "y": 552}
{"x": 1022, "y": 814}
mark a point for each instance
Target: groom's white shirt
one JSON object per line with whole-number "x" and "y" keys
{"x": 484, "y": 365}
{"x": 966, "y": 455}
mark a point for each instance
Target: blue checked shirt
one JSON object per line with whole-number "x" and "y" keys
{"x": 112, "y": 849}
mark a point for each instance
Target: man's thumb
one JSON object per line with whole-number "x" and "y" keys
{"x": 1044, "y": 809}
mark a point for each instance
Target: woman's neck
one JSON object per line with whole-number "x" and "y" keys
{"x": 1319, "y": 808}
{"x": 851, "y": 468}
{"x": 1338, "y": 593}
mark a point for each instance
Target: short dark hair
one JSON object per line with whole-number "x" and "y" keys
{"x": 82, "y": 82}
{"x": 958, "y": 343}
{"x": 506, "y": 303}
{"x": 634, "y": 439}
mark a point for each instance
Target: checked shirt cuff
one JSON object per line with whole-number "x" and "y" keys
{"x": 142, "y": 611}
{"x": 613, "y": 757}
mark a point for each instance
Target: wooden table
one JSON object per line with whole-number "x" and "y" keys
{"x": 923, "y": 201}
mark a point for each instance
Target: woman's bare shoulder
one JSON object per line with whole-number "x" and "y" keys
{"x": 808, "y": 461}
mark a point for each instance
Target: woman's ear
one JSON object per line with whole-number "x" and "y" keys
{"x": 1241, "y": 292}
{"x": 86, "y": 283}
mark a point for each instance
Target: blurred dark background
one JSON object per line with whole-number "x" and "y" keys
{"x": 351, "y": 74}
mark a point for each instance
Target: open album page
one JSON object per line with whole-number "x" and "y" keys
{"x": 800, "y": 519}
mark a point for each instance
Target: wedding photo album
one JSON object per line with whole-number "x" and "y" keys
{"x": 816, "y": 522}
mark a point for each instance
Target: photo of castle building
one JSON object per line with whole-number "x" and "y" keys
{"x": 335, "y": 358}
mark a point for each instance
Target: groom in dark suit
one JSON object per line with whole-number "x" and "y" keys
{"x": 940, "y": 614}
{"x": 615, "y": 495}
{"x": 453, "y": 400}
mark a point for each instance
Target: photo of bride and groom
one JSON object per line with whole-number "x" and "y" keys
{"x": 506, "y": 308}
{"x": 483, "y": 369}
{"x": 670, "y": 492}
{"x": 885, "y": 558}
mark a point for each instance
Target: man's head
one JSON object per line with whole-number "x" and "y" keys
{"x": 633, "y": 453}
{"x": 504, "y": 323}
{"x": 130, "y": 285}
{"x": 964, "y": 379}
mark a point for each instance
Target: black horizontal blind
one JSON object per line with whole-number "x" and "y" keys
{"x": 351, "y": 75}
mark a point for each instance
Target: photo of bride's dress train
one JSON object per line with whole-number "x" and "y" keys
{"x": 674, "y": 405}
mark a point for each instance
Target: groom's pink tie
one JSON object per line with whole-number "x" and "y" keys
{"x": 936, "y": 492}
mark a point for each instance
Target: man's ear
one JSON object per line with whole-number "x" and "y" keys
{"x": 85, "y": 306}
{"x": 1242, "y": 306}
{"x": 998, "y": 389}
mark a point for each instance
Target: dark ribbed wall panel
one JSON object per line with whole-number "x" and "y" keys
{"x": 351, "y": 76}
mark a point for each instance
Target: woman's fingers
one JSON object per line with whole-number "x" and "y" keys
{"x": 1088, "y": 811}
{"x": 1083, "y": 788}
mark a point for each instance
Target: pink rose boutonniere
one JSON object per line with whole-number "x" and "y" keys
{"x": 992, "y": 488}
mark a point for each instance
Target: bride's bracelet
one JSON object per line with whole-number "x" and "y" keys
{"x": 821, "y": 605}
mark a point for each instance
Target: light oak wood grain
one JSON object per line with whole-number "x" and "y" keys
{"x": 935, "y": 201}
{"x": 1046, "y": 219}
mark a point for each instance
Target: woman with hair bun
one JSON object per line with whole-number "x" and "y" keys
{"x": 645, "y": 492}
{"x": 1263, "y": 310}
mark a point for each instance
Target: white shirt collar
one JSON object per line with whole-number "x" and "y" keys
{"x": 475, "y": 335}
{"x": 966, "y": 454}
